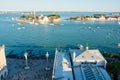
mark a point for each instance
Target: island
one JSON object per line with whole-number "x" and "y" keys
{"x": 38, "y": 19}
{"x": 54, "y": 17}
{"x": 101, "y": 17}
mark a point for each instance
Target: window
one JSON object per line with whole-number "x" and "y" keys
{"x": 82, "y": 56}
{"x": 92, "y": 56}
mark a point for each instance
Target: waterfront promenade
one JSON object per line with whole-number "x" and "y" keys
{"x": 36, "y": 72}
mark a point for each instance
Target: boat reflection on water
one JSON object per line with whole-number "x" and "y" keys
{"x": 56, "y": 24}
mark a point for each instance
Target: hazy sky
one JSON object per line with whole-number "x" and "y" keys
{"x": 60, "y": 5}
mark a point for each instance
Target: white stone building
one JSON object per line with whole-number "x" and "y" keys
{"x": 3, "y": 65}
{"x": 80, "y": 65}
{"x": 102, "y": 18}
{"x": 91, "y": 56}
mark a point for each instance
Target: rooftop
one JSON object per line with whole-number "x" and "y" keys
{"x": 62, "y": 70}
{"x": 90, "y": 71}
{"x": 87, "y": 67}
{"x": 85, "y": 55}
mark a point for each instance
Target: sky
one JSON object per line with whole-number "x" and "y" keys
{"x": 60, "y": 5}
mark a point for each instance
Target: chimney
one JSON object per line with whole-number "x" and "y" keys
{"x": 81, "y": 47}
{"x": 87, "y": 47}
{"x": 56, "y": 51}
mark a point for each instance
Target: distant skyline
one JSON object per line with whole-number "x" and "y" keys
{"x": 60, "y": 5}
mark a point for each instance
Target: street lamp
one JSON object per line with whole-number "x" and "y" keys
{"x": 26, "y": 62}
{"x": 47, "y": 67}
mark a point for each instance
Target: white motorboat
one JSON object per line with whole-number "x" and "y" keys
{"x": 12, "y": 19}
{"x": 35, "y": 23}
{"x": 119, "y": 22}
{"x": 119, "y": 45}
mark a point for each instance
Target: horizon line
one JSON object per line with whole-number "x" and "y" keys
{"x": 51, "y": 11}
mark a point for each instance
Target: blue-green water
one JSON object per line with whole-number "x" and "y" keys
{"x": 102, "y": 35}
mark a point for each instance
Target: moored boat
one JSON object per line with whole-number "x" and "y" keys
{"x": 119, "y": 22}
{"x": 118, "y": 45}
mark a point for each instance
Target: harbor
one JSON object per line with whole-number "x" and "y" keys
{"x": 103, "y": 35}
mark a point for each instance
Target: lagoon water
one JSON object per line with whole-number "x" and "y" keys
{"x": 102, "y": 35}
